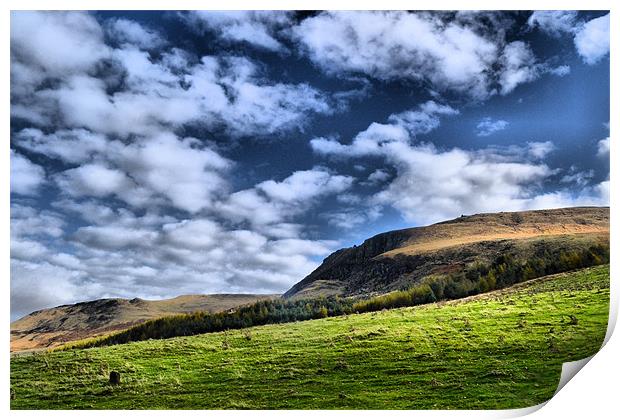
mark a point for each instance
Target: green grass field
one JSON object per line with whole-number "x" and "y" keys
{"x": 499, "y": 350}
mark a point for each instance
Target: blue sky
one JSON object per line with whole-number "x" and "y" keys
{"x": 161, "y": 153}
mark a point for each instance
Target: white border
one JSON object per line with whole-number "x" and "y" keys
{"x": 592, "y": 394}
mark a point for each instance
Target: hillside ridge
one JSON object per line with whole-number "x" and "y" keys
{"x": 53, "y": 326}
{"x": 396, "y": 258}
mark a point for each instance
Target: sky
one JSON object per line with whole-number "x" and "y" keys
{"x": 155, "y": 154}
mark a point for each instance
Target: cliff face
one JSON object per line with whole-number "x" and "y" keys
{"x": 392, "y": 260}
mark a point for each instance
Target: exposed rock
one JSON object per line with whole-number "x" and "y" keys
{"x": 397, "y": 259}
{"x": 115, "y": 378}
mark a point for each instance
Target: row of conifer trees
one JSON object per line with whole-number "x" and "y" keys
{"x": 477, "y": 278}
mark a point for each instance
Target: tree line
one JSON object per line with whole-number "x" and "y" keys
{"x": 505, "y": 271}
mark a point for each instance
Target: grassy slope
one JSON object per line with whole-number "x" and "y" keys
{"x": 499, "y": 350}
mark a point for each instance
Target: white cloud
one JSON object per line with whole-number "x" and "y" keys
{"x": 192, "y": 234}
{"x": 378, "y": 176}
{"x": 127, "y": 255}
{"x": 83, "y": 83}
{"x": 518, "y": 66}
{"x": 597, "y": 195}
{"x": 29, "y": 221}
{"x": 592, "y": 40}
{"x": 350, "y": 218}
{"x": 219, "y": 92}
{"x": 460, "y": 54}
{"x": 59, "y": 43}
{"x": 488, "y": 126}
{"x": 560, "y": 71}
{"x": 579, "y": 178}
{"x": 255, "y": 27}
{"x": 71, "y": 146}
{"x": 304, "y": 185}
{"x": 401, "y": 45}
{"x": 433, "y": 184}
{"x": 272, "y": 202}
{"x": 128, "y": 31}
{"x": 26, "y": 177}
{"x": 143, "y": 256}
{"x": 421, "y": 120}
{"x": 89, "y": 210}
{"x": 554, "y": 22}
{"x": 22, "y": 249}
{"x": 41, "y": 285}
{"x": 92, "y": 179}
{"x": 114, "y": 237}
{"x": 603, "y": 148}
{"x": 539, "y": 150}
{"x": 185, "y": 172}
{"x": 424, "y": 119}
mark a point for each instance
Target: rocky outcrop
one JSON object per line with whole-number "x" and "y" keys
{"x": 396, "y": 259}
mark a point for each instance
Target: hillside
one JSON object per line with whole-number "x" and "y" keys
{"x": 55, "y": 326}
{"x": 398, "y": 259}
{"x": 497, "y": 350}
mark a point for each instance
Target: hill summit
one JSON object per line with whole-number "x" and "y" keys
{"x": 397, "y": 259}
{"x": 54, "y": 326}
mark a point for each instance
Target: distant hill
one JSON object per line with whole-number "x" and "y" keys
{"x": 400, "y": 258}
{"x": 386, "y": 262}
{"x": 51, "y": 327}
{"x": 497, "y": 350}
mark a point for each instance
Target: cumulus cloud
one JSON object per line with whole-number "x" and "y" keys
{"x": 305, "y": 185}
{"x": 554, "y": 22}
{"x": 377, "y": 177}
{"x": 113, "y": 237}
{"x": 156, "y": 255}
{"x": 92, "y": 179}
{"x": 58, "y": 43}
{"x": 539, "y": 150}
{"x": 576, "y": 177}
{"x": 64, "y": 74}
{"x": 603, "y": 148}
{"x": 128, "y": 31}
{"x": 185, "y": 172}
{"x": 71, "y": 146}
{"x": 217, "y": 92}
{"x": 29, "y": 221}
{"x": 488, "y": 126}
{"x": 456, "y": 54}
{"x": 390, "y": 45}
{"x": 255, "y": 27}
{"x": 433, "y": 184}
{"x": 402, "y": 126}
{"x": 271, "y": 203}
{"x": 592, "y": 40}
{"x": 424, "y": 119}
{"x": 26, "y": 177}
{"x": 560, "y": 71}
{"x": 42, "y": 285}
{"x": 143, "y": 203}
{"x": 156, "y": 260}
{"x": 518, "y": 66}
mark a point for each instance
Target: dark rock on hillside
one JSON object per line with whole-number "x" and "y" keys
{"x": 400, "y": 258}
